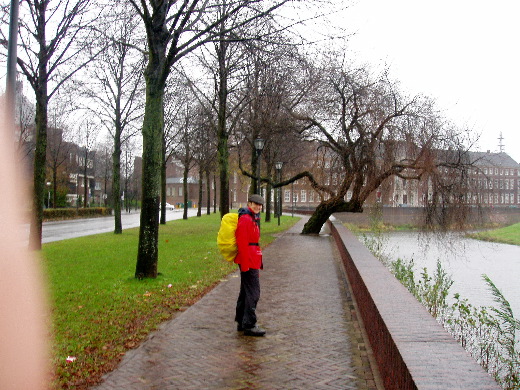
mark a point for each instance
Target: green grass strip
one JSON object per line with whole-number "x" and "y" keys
{"x": 99, "y": 310}
{"x": 506, "y": 235}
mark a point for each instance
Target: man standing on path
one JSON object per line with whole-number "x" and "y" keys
{"x": 249, "y": 259}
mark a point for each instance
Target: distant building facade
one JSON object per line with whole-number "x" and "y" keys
{"x": 494, "y": 181}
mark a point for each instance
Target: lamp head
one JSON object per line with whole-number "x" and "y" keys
{"x": 259, "y": 144}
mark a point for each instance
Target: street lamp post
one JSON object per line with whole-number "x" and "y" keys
{"x": 278, "y": 165}
{"x": 49, "y": 195}
{"x": 259, "y": 146}
{"x": 292, "y": 198}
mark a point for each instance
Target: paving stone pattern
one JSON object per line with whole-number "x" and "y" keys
{"x": 313, "y": 339}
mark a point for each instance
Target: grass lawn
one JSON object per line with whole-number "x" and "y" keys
{"x": 507, "y": 235}
{"x": 99, "y": 310}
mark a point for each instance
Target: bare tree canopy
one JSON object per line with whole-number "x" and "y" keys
{"x": 115, "y": 88}
{"x": 372, "y": 132}
{"x": 174, "y": 30}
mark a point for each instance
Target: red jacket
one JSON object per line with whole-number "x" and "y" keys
{"x": 247, "y": 233}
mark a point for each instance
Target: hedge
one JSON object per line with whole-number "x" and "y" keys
{"x": 72, "y": 213}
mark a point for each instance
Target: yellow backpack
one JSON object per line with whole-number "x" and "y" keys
{"x": 226, "y": 241}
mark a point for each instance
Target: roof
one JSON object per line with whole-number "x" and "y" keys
{"x": 493, "y": 159}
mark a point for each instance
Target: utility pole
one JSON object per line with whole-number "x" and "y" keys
{"x": 10, "y": 87}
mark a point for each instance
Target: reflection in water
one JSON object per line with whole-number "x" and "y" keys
{"x": 465, "y": 260}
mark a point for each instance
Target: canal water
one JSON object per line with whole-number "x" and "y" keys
{"x": 465, "y": 260}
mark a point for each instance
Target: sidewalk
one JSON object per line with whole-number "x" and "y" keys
{"x": 313, "y": 339}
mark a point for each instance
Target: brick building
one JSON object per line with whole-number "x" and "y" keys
{"x": 496, "y": 180}
{"x": 238, "y": 184}
{"x": 493, "y": 182}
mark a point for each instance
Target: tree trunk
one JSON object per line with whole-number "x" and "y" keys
{"x": 40, "y": 154}
{"x": 85, "y": 180}
{"x": 163, "y": 183}
{"x": 199, "y": 206}
{"x": 105, "y": 186}
{"x": 116, "y": 183}
{"x": 223, "y": 159}
{"x": 185, "y": 190}
{"x": 256, "y": 185}
{"x": 153, "y": 126}
{"x": 208, "y": 193}
{"x": 325, "y": 209}
{"x": 268, "y": 191}
{"x": 41, "y": 120}
{"x": 54, "y": 186}
{"x": 215, "y": 194}
{"x": 318, "y": 219}
{"x": 222, "y": 134}
{"x": 125, "y": 191}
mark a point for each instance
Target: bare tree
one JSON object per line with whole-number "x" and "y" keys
{"x": 205, "y": 155}
{"x": 175, "y": 29}
{"x": 117, "y": 90}
{"x": 50, "y": 36}
{"x": 230, "y": 63}
{"x": 104, "y": 166}
{"x": 130, "y": 192}
{"x": 270, "y": 68}
{"x": 185, "y": 151}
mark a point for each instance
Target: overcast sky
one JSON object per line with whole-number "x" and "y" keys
{"x": 463, "y": 53}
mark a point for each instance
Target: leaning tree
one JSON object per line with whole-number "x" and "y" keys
{"x": 372, "y": 133}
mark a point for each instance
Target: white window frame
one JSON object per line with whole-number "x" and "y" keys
{"x": 287, "y": 196}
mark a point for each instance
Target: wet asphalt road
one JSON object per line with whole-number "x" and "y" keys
{"x": 62, "y": 230}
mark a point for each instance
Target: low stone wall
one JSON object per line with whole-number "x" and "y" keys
{"x": 412, "y": 350}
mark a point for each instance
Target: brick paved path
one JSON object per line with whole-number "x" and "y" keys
{"x": 313, "y": 340}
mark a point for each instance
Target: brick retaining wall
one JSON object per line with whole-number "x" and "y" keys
{"x": 413, "y": 351}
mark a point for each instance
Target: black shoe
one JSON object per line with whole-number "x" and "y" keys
{"x": 240, "y": 328}
{"x": 256, "y": 331}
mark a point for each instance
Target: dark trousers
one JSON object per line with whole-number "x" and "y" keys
{"x": 248, "y": 298}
